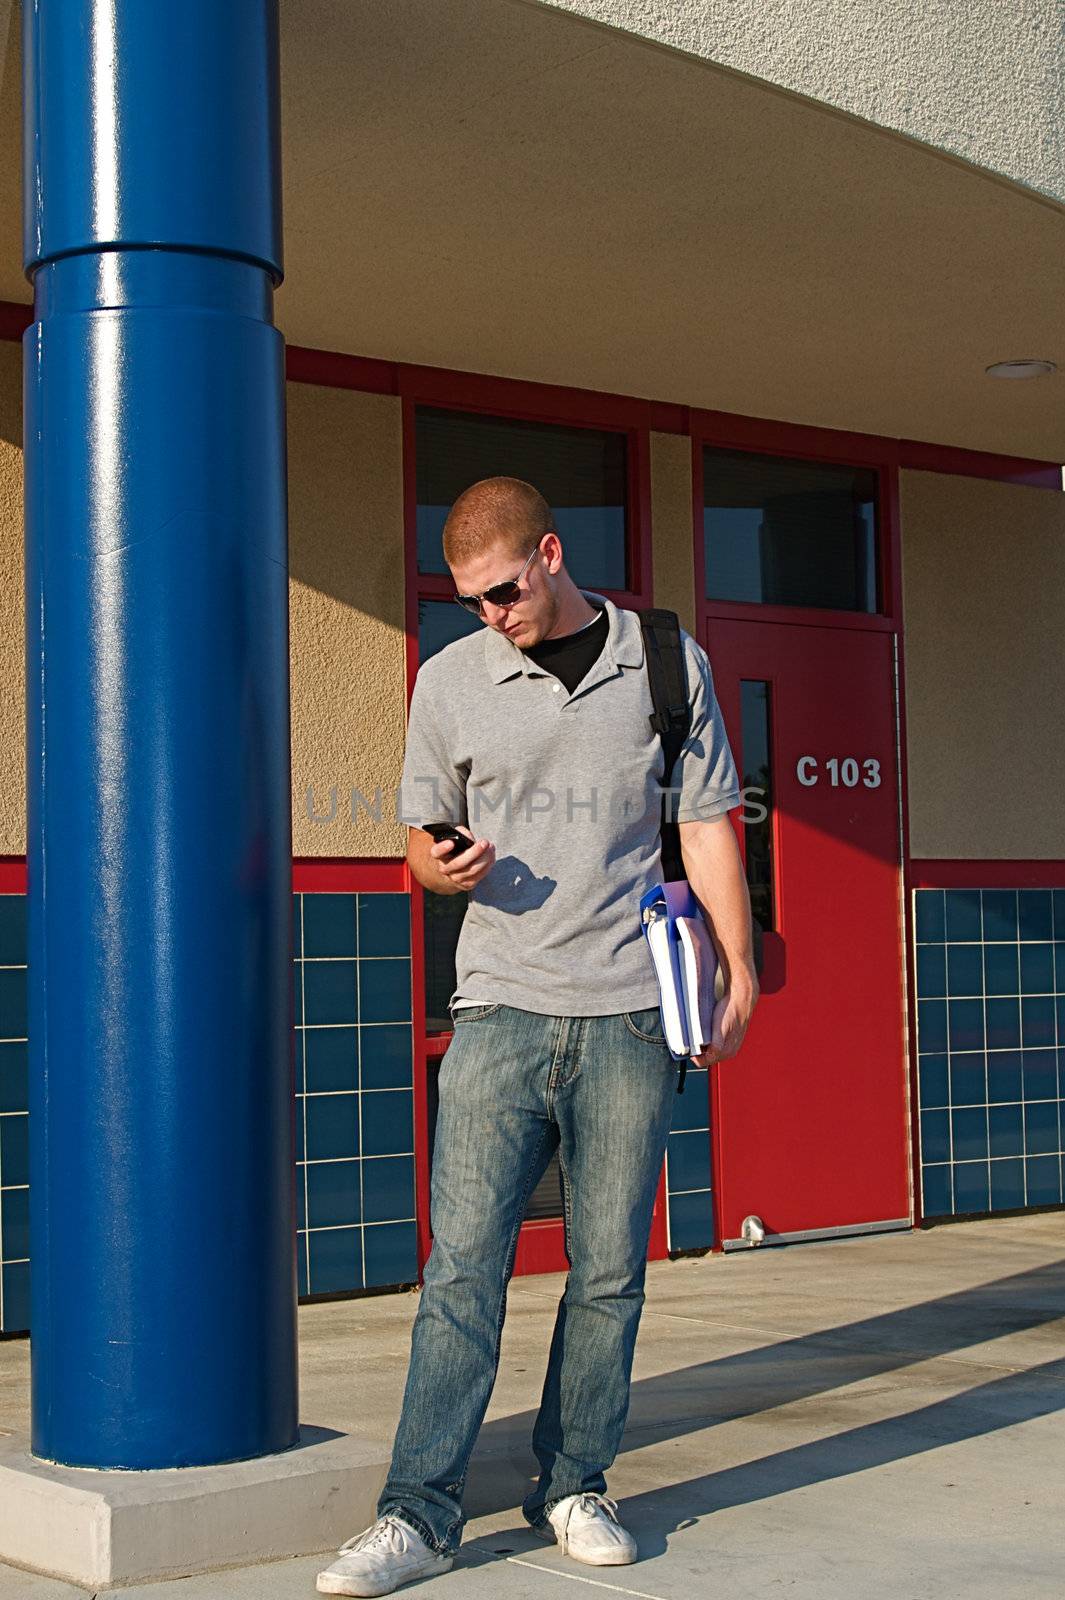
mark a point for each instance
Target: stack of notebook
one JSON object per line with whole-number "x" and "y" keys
{"x": 685, "y": 964}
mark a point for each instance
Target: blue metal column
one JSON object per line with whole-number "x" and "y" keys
{"x": 159, "y": 833}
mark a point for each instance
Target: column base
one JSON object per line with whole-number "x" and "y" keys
{"x": 105, "y": 1529}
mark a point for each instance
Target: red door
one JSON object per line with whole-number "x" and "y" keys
{"x": 809, "y": 1121}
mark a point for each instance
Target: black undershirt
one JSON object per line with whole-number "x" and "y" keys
{"x": 570, "y": 658}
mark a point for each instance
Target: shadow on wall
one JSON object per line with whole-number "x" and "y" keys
{"x": 345, "y": 503}
{"x": 10, "y": 397}
{"x": 11, "y": 211}
{"x": 11, "y": 144}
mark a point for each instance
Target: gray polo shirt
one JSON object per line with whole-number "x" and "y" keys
{"x": 568, "y": 789}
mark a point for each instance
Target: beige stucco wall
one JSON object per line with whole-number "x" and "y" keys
{"x": 983, "y": 590}
{"x": 983, "y": 569}
{"x": 673, "y": 571}
{"x": 346, "y": 619}
{"x": 347, "y": 611}
{"x": 984, "y": 80}
{"x": 12, "y": 623}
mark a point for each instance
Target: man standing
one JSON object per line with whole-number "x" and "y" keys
{"x": 536, "y": 731}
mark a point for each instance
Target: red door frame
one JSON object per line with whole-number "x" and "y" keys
{"x": 887, "y": 457}
{"x": 846, "y": 449}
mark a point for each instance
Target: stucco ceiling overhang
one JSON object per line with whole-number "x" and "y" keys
{"x": 494, "y": 186}
{"x": 984, "y": 80}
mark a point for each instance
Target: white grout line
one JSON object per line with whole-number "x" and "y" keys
{"x": 2, "y": 1264}
{"x": 335, "y": 1227}
{"x": 321, "y": 1094}
{"x": 303, "y": 1111}
{"x": 312, "y": 960}
{"x": 574, "y": 1577}
{"x": 312, "y": 1027}
{"x": 332, "y": 1161}
{"x": 358, "y": 1069}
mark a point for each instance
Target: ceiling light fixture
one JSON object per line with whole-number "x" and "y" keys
{"x": 1021, "y": 369}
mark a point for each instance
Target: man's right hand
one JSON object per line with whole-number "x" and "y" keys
{"x": 464, "y": 868}
{"x": 444, "y": 868}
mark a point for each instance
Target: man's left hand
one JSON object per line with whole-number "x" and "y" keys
{"x": 732, "y": 1013}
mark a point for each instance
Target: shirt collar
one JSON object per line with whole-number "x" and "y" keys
{"x": 623, "y": 646}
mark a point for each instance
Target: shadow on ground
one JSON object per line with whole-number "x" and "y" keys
{"x": 673, "y": 1404}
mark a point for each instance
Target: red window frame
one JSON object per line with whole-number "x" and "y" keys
{"x": 540, "y": 1246}
{"x": 799, "y": 444}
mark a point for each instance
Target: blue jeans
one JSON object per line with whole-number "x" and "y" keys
{"x": 514, "y": 1087}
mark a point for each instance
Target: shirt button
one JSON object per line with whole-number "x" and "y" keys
{"x": 556, "y": 687}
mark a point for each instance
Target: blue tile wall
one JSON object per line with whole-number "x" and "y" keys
{"x": 14, "y": 1129}
{"x": 990, "y": 1048}
{"x": 354, "y": 1099}
{"x": 688, "y": 1178}
{"x": 355, "y": 1092}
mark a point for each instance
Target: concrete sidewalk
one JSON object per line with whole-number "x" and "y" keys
{"x": 866, "y": 1419}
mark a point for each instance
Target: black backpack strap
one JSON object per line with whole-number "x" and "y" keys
{"x": 671, "y": 718}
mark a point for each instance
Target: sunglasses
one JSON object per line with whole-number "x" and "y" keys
{"x": 500, "y": 594}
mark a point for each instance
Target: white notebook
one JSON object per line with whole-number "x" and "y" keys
{"x": 699, "y": 960}
{"x": 685, "y": 964}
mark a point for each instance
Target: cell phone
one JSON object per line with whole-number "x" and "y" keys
{"x": 444, "y": 833}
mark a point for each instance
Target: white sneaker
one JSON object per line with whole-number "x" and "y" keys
{"x": 586, "y": 1527}
{"x": 382, "y": 1558}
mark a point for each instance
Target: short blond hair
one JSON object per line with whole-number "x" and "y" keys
{"x": 495, "y": 511}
